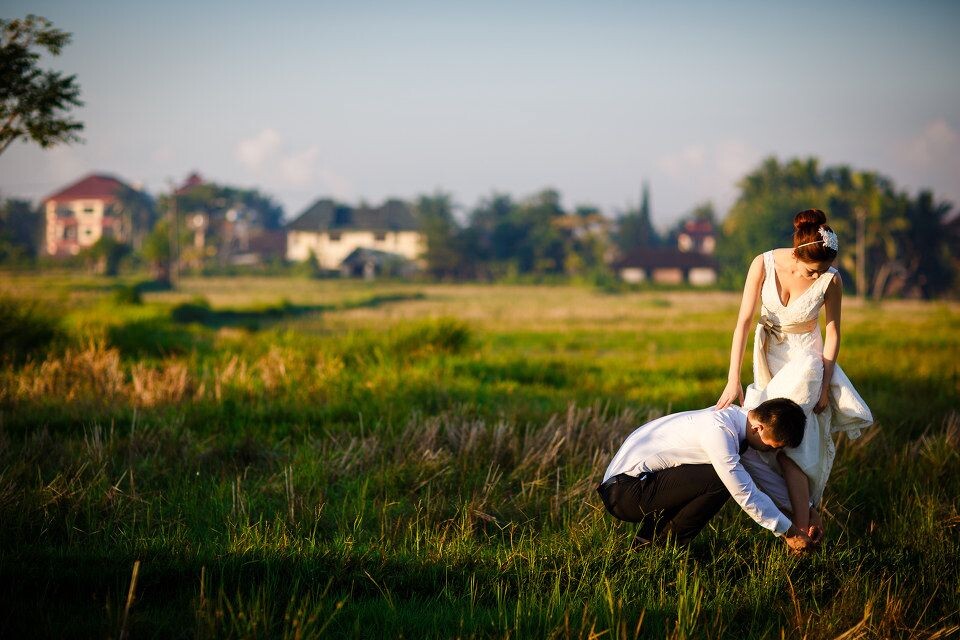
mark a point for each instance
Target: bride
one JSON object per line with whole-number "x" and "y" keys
{"x": 792, "y": 360}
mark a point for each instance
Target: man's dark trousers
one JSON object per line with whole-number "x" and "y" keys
{"x": 678, "y": 501}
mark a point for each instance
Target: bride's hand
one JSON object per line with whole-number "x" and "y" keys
{"x": 815, "y": 530}
{"x": 732, "y": 392}
{"x": 824, "y": 400}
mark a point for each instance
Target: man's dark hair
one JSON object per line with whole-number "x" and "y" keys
{"x": 784, "y": 418}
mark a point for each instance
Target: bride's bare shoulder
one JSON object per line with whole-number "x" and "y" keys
{"x": 756, "y": 271}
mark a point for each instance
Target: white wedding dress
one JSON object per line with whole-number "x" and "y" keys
{"x": 788, "y": 363}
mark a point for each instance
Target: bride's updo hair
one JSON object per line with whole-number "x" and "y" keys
{"x": 808, "y": 244}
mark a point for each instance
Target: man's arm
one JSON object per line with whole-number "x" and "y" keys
{"x": 773, "y": 484}
{"x": 721, "y": 447}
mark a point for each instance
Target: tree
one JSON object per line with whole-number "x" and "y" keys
{"x": 891, "y": 244}
{"x": 644, "y": 213}
{"x": 435, "y": 213}
{"x": 586, "y": 236}
{"x": 139, "y": 213}
{"x": 103, "y": 256}
{"x": 931, "y": 245}
{"x": 703, "y": 212}
{"x": 493, "y": 234}
{"x": 230, "y": 216}
{"x": 542, "y": 249}
{"x": 34, "y": 104}
{"x": 21, "y": 228}
{"x": 156, "y": 251}
{"x": 762, "y": 216}
{"x": 634, "y": 228}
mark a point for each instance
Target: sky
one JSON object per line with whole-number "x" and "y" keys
{"x": 363, "y": 101}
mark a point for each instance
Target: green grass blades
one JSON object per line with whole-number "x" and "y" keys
{"x": 302, "y": 459}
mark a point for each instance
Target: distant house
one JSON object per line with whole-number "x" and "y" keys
{"x": 666, "y": 265}
{"x": 333, "y": 232}
{"x": 369, "y": 263}
{"x": 82, "y": 213}
{"x": 690, "y": 262}
{"x": 223, "y": 228}
{"x": 697, "y": 236}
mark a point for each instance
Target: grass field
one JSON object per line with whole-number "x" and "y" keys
{"x": 295, "y": 458}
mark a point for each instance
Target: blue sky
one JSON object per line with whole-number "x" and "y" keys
{"x": 368, "y": 100}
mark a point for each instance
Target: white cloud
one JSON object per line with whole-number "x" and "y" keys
{"x": 336, "y": 185}
{"x": 936, "y": 144}
{"x": 688, "y": 159}
{"x": 708, "y": 171}
{"x": 300, "y": 169}
{"x": 256, "y": 152}
{"x": 163, "y": 154}
{"x": 271, "y": 163}
{"x": 733, "y": 160}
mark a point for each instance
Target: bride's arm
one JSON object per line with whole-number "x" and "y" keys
{"x": 748, "y": 304}
{"x": 831, "y": 340}
{"x": 798, "y": 488}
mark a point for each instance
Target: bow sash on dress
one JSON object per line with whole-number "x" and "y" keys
{"x": 767, "y": 329}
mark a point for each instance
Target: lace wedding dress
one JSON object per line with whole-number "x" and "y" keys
{"x": 788, "y": 363}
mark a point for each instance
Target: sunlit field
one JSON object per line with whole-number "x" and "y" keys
{"x": 300, "y": 458}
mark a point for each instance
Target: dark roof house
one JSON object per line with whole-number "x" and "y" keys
{"x": 370, "y": 263}
{"x": 326, "y": 215}
{"x": 666, "y": 258}
{"x": 668, "y": 265}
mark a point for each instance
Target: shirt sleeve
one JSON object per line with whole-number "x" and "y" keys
{"x": 722, "y": 447}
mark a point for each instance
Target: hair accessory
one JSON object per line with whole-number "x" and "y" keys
{"x": 830, "y": 240}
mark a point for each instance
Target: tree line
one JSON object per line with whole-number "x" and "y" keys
{"x": 892, "y": 243}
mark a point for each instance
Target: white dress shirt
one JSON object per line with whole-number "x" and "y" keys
{"x": 700, "y": 437}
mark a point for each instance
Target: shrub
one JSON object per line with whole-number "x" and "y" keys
{"x": 151, "y": 337}
{"x": 25, "y": 328}
{"x": 146, "y": 286}
{"x": 197, "y": 310}
{"x": 446, "y": 335}
{"x": 127, "y": 294}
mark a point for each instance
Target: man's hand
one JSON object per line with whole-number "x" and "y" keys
{"x": 798, "y": 541}
{"x": 815, "y": 530}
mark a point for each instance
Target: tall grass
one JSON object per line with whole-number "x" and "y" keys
{"x": 396, "y": 470}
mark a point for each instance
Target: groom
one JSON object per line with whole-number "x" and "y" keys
{"x": 673, "y": 474}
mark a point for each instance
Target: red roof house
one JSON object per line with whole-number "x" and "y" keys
{"x": 80, "y": 214}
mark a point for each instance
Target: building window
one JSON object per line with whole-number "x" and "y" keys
{"x": 69, "y": 233}
{"x": 88, "y": 232}
{"x": 380, "y": 236}
{"x": 88, "y": 210}
{"x": 334, "y": 236}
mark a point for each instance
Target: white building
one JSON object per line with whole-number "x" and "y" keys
{"x": 332, "y": 232}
